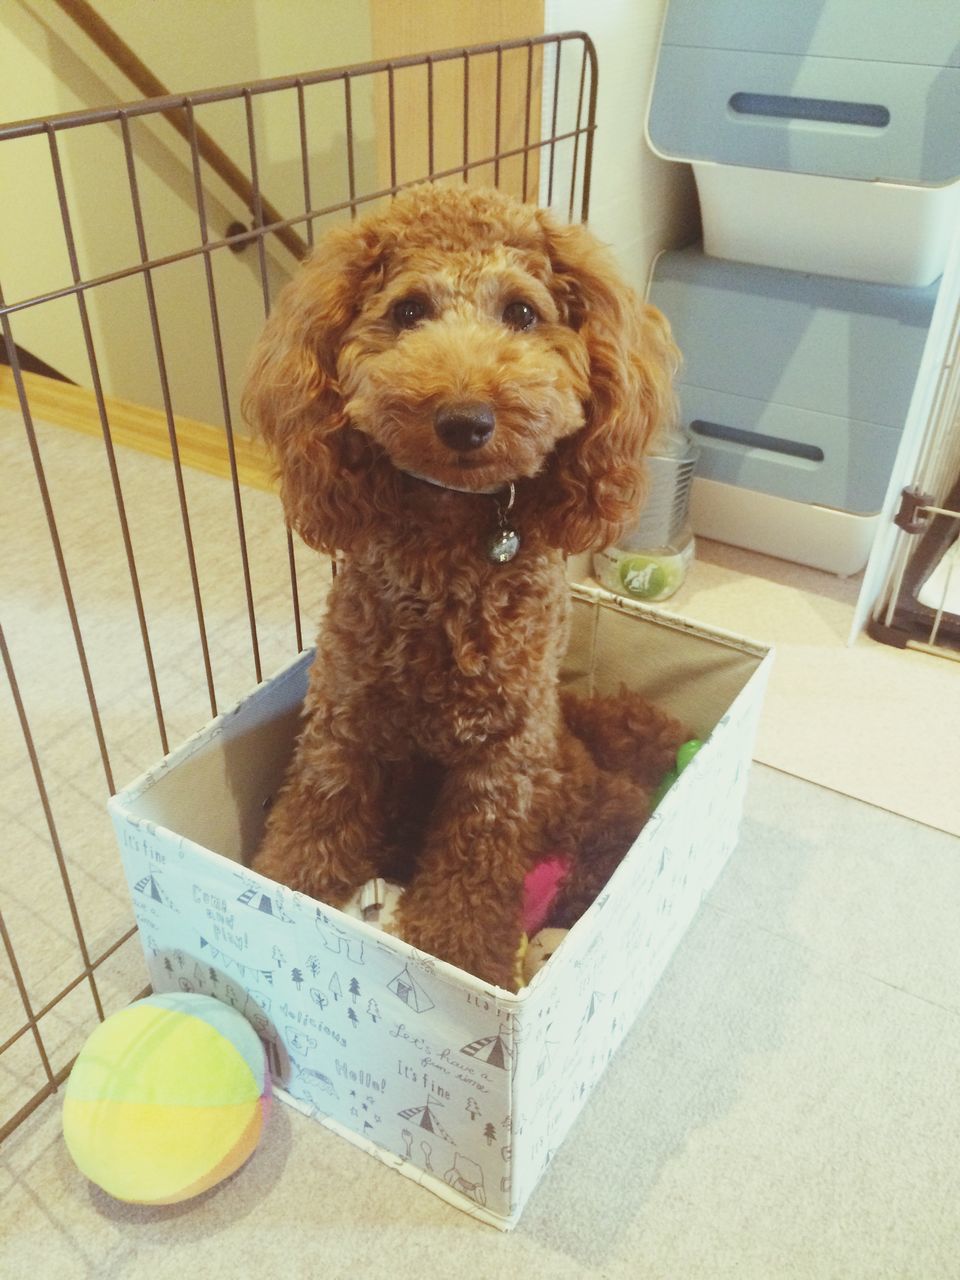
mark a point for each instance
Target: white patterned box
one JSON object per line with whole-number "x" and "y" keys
{"x": 466, "y": 1088}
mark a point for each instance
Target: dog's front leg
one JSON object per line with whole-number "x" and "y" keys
{"x": 325, "y": 831}
{"x": 464, "y": 902}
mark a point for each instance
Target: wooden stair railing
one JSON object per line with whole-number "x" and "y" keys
{"x": 124, "y": 59}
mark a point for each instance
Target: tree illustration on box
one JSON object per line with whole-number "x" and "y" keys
{"x": 352, "y": 1015}
{"x": 490, "y": 1133}
{"x": 335, "y": 987}
{"x": 297, "y": 978}
{"x": 354, "y": 989}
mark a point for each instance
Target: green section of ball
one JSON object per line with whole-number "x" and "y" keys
{"x": 167, "y": 1098}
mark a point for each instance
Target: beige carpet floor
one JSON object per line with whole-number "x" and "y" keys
{"x": 786, "y": 1109}
{"x": 867, "y": 720}
{"x": 787, "y": 1106}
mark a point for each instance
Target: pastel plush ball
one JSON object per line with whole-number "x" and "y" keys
{"x": 167, "y": 1098}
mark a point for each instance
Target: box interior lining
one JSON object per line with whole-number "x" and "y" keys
{"x": 237, "y": 764}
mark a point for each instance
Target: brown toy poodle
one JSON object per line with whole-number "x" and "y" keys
{"x": 459, "y": 391}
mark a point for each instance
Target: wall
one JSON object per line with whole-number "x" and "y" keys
{"x": 53, "y": 68}
{"x": 639, "y": 203}
{"x": 190, "y": 45}
{"x": 401, "y": 27}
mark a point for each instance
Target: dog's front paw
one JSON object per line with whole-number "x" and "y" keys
{"x": 308, "y": 868}
{"x": 488, "y": 953}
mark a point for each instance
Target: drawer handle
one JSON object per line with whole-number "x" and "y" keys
{"x": 826, "y": 110}
{"x": 757, "y": 440}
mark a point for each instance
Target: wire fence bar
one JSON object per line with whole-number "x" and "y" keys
{"x": 203, "y": 97}
{"x": 161, "y": 315}
{"x": 57, "y": 546}
{"x": 243, "y": 239}
{"x": 224, "y": 392}
{"x": 161, "y": 359}
{"x": 88, "y": 971}
{"x": 123, "y": 57}
{"x": 304, "y": 156}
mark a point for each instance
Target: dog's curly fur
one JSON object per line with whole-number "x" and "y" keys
{"x": 436, "y": 747}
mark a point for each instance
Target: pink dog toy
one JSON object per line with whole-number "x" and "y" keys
{"x": 540, "y": 890}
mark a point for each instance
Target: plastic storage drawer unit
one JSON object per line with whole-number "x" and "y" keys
{"x": 822, "y": 137}
{"x": 796, "y": 387}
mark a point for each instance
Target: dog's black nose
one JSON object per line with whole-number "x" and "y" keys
{"x": 463, "y": 427}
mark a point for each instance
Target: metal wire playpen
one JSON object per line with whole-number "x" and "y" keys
{"x": 147, "y": 588}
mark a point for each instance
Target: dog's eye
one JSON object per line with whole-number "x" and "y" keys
{"x": 408, "y": 312}
{"x": 520, "y": 315}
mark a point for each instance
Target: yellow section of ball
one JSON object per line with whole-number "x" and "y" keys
{"x": 150, "y": 1154}
{"x": 166, "y": 1098}
{"x": 148, "y": 1053}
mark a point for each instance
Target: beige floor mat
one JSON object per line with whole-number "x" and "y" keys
{"x": 867, "y": 720}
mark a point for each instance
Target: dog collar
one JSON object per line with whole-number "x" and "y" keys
{"x": 438, "y": 484}
{"x": 504, "y": 544}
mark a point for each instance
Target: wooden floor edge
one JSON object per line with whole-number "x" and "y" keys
{"x": 134, "y": 426}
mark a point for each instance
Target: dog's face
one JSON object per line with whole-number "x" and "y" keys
{"x": 462, "y": 366}
{"x": 467, "y": 339}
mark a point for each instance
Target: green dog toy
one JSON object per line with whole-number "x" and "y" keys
{"x": 685, "y": 753}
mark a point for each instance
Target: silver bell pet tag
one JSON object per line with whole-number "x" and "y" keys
{"x": 505, "y": 543}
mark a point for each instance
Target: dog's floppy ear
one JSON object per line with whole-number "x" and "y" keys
{"x": 593, "y": 486}
{"x": 292, "y": 396}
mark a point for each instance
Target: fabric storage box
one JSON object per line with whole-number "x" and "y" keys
{"x": 823, "y": 138}
{"x": 464, "y": 1087}
{"x": 796, "y": 387}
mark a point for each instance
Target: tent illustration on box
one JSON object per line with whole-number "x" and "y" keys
{"x": 493, "y": 1050}
{"x": 406, "y": 987}
{"x": 596, "y": 999}
{"x": 255, "y": 897}
{"x": 150, "y": 886}
{"x": 426, "y": 1119}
